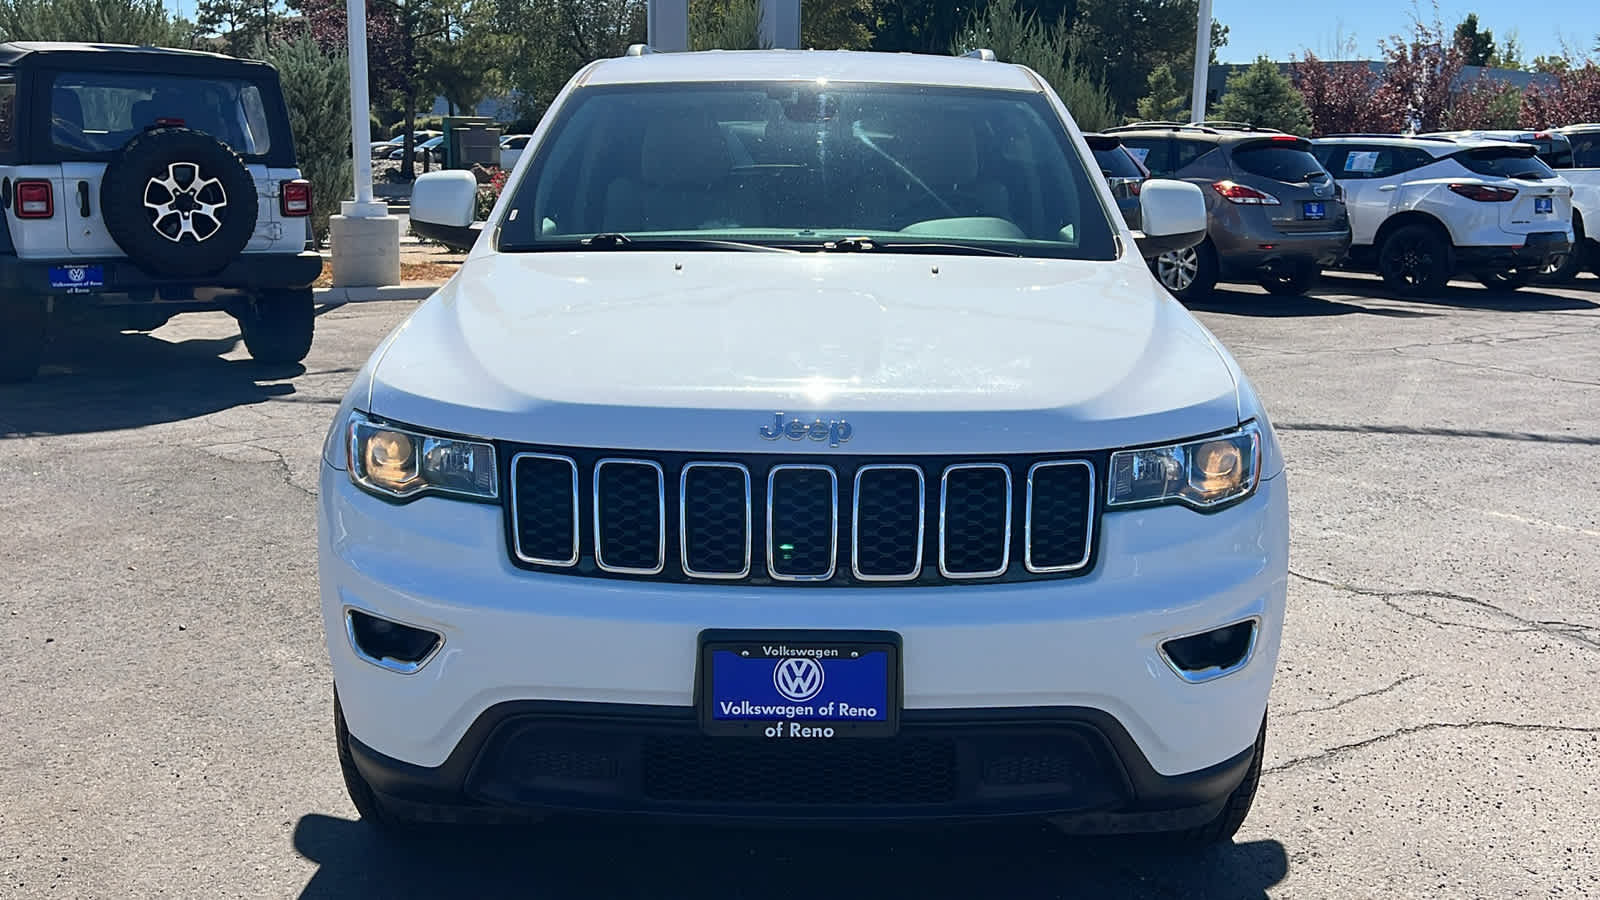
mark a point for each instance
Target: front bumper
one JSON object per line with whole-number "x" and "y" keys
{"x": 1078, "y": 767}
{"x": 1040, "y": 652}
{"x": 1533, "y": 253}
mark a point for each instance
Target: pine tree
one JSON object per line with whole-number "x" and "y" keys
{"x": 1163, "y": 100}
{"x": 316, "y": 89}
{"x": 1265, "y": 97}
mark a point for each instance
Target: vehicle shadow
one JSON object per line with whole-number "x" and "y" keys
{"x": 587, "y": 860}
{"x": 1244, "y": 303}
{"x": 1463, "y": 295}
{"x": 100, "y": 379}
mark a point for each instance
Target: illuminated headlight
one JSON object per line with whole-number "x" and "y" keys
{"x": 401, "y": 462}
{"x": 1203, "y": 474}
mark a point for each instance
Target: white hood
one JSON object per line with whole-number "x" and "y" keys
{"x": 697, "y": 351}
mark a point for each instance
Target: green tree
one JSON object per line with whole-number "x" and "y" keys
{"x": 549, "y": 40}
{"x": 1263, "y": 96}
{"x": 1477, "y": 45}
{"x": 836, "y": 24}
{"x": 725, "y": 24}
{"x": 1553, "y": 64}
{"x": 316, "y": 90}
{"x": 95, "y": 21}
{"x": 1164, "y": 100}
{"x": 461, "y": 64}
{"x": 1018, "y": 37}
{"x": 1508, "y": 53}
{"x": 1125, "y": 40}
{"x": 239, "y": 25}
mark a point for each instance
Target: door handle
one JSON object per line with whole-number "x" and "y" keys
{"x": 1388, "y": 188}
{"x": 83, "y": 199}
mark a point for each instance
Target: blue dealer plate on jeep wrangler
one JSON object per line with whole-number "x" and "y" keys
{"x": 77, "y": 279}
{"x": 785, "y": 685}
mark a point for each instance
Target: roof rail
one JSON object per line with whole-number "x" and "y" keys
{"x": 1392, "y": 135}
{"x": 640, "y": 49}
{"x": 1172, "y": 126}
{"x": 981, "y": 53}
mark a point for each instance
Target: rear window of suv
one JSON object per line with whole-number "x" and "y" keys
{"x": 1286, "y": 162}
{"x": 1507, "y": 163}
{"x": 1116, "y": 163}
{"x": 99, "y": 112}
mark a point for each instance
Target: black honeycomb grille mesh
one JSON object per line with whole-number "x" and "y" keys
{"x": 628, "y": 506}
{"x": 975, "y": 520}
{"x": 709, "y": 771}
{"x": 802, "y": 514}
{"x": 889, "y": 509}
{"x": 546, "y": 508}
{"x": 716, "y": 504}
{"x": 1060, "y": 530}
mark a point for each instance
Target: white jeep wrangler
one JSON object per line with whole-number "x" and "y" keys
{"x": 140, "y": 183}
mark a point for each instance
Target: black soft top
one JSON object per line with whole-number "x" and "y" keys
{"x": 129, "y": 58}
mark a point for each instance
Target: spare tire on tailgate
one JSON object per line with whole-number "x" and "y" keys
{"x": 179, "y": 202}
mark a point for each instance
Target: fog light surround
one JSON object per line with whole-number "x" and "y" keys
{"x": 391, "y": 645}
{"x": 1213, "y": 653}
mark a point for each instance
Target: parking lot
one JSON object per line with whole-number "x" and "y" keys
{"x": 1434, "y": 729}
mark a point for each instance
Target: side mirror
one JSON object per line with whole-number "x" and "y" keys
{"x": 448, "y": 198}
{"x": 1172, "y": 216}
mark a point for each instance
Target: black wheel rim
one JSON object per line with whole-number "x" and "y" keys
{"x": 1411, "y": 262}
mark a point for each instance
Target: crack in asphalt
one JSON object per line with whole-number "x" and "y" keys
{"x": 1361, "y": 696}
{"x": 1388, "y": 598}
{"x": 1503, "y": 370}
{"x": 283, "y": 466}
{"x": 1410, "y": 730}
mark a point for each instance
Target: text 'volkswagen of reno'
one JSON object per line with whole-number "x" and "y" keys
{"x": 805, "y": 438}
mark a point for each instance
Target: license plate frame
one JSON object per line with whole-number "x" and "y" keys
{"x": 77, "y": 279}
{"x": 1314, "y": 209}
{"x": 709, "y": 692}
{"x": 1544, "y": 205}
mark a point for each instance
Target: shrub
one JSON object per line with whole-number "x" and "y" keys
{"x": 317, "y": 93}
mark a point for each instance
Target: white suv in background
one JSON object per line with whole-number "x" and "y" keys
{"x": 1424, "y": 208}
{"x": 805, "y": 438}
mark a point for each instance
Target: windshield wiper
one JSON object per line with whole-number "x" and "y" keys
{"x": 611, "y": 240}
{"x": 869, "y": 245}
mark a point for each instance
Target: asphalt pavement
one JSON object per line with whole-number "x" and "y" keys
{"x": 165, "y": 704}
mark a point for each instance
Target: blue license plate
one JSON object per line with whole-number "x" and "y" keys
{"x": 1316, "y": 209}
{"x": 77, "y": 279}
{"x": 1544, "y": 204}
{"x": 799, "y": 686}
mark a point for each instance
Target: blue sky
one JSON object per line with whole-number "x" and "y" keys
{"x": 1281, "y": 28}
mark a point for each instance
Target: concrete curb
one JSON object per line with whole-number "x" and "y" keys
{"x": 370, "y": 294}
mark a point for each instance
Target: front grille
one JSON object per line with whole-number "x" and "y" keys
{"x": 803, "y": 520}
{"x": 709, "y": 771}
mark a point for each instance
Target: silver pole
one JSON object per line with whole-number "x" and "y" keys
{"x": 1202, "y": 63}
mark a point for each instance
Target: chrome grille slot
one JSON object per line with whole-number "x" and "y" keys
{"x": 975, "y": 520}
{"x": 544, "y": 503}
{"x": 630, "y": 516}
{"x": 887, "y": 523}
{"x": 1059, "y": 517}
{"x": 802, "y": 522}
{"x": 714, "y": 520}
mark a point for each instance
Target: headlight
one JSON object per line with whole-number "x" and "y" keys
{"x": 1203, "y": 474}
{"x": 401, "y": 462}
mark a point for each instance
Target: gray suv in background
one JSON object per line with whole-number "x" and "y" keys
{"x": 1276, "y": 216}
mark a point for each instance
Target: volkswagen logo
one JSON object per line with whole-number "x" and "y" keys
{"x": 798, "y": 679}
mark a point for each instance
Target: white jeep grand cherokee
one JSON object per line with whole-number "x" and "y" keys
{"x": 805, "y": 439}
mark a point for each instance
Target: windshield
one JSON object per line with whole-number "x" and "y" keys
{"x": 1507, "y": 163}
{"x": 802, "y": 165}
{"x": 1586, "y": 151}
{"x": 99, "y": 112}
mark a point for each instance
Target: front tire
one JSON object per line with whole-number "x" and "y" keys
{"x": 1189, "y": 274}
{"x": 1415, "y": 260}
{"x": 22, "y": 333}
{"x": 278, "y": 326}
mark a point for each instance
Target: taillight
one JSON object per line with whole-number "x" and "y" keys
{"x": 295, "y": 198}
{"x": 1483, "y": 193}
{"x": 35, "y": 200}
{"x": 1133, "y": 188}
{"x": 1238, "y": 193}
